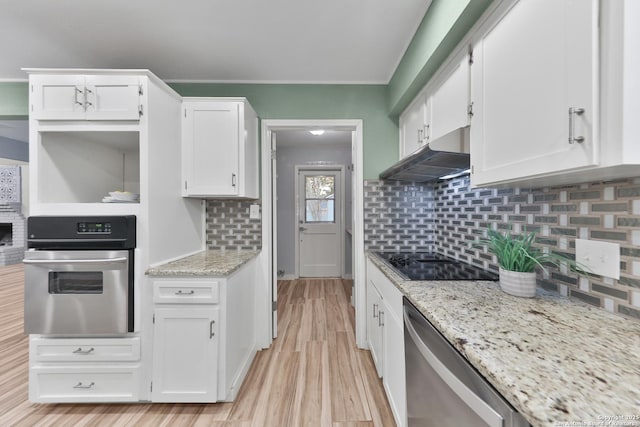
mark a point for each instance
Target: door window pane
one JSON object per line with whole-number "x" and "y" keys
{"x": 319, "y": 198}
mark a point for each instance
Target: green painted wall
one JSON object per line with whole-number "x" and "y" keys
{"x": 366, "y": 102}
{"x": 443, "y": 27}
{"x": 14, "y": 100}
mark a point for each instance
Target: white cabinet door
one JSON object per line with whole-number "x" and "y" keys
{"x": 211, "y": 137}
{"x": 57, "y": 97}
{"x": 185, "y": 353}
{"x": 449, "y": 102}
{"x": 374, "y": 326}
{"x": 394, "y": 366}
{"x": 113, "y": 98}
{"x": 414, "y": 126}
{"x": 530, "y": 68}
{"x": 76, "y": 97}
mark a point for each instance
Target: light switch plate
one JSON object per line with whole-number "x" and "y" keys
{"x": 601, "y": 258}
{"x": 254, "y": 211}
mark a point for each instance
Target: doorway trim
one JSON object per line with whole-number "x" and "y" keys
{"x": 296, "y": 250}
{"x": 268, "y": 279}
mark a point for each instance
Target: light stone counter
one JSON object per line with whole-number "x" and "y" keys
{"x": 556, "y": 360}
{"x": 206, "y": 263}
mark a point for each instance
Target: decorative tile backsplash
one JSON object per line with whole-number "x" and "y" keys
{"x": 230, "y": 228}
{"x": 449, "y": 217}
{"x": 398, "y": 216}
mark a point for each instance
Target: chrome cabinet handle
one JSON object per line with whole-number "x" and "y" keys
{"x": 233, "y": 179}
{"x": 86, "y": 387}
{"x": 574, "y": 112}
{"x": 75, "y": 96}
{"x": 81, "y": 351}
{"x": 420, "y": 136}
{"x": 427, "y": 132}
{"x": 211, "y": 333}
{"x": 191, "y": 292}
{"x": 375, "y": 307}
{"x": 86, "y": 101}
{"x": 381, "y": 318}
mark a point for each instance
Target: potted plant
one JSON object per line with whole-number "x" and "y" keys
{"x": 518, "y": 259}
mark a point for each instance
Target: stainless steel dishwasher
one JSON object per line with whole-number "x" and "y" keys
{"x": 443, "y": 389}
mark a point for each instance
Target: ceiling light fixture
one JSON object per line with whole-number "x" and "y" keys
{"x": 316, "y": 132}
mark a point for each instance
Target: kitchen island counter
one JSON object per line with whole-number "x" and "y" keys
{"x": 556, "y": 360}
{"x": 205, "y": 263}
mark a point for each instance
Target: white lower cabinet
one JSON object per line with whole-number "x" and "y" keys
{"x": 84, "y": 369}
{"x": 385, "y": 334}
{"x": 204, "y": 336}
{"x": 185, "y": 345}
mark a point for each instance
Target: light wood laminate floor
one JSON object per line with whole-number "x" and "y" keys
{"x": 312, "y": 375}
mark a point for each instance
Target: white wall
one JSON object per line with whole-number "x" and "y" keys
{"x": 287, "y": 158}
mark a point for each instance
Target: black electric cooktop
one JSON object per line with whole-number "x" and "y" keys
{"x": 432, "y": 266}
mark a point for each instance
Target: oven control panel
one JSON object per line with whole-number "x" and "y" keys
{"x": 94, "y": 227}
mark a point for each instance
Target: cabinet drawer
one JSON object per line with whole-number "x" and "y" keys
{"x": 180, "y": 292}
{"x": 70, "y": 384}
{"x": 84, "y": 350}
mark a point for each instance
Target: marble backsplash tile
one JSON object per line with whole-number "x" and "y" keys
{"x": 229, "y": 226}
{"x": 449, "y": 216}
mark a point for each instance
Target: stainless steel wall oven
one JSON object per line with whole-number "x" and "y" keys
{"x": 79, "y": 275}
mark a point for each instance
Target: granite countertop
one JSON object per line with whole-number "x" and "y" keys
{"x": 206, "y": 263}
{"x": 555, "y": 359}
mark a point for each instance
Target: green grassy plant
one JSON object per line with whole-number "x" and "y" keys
{"x": 516, "y": 252}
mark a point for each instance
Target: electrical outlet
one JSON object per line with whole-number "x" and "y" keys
{"x": 254, "y": 211}
{"x": 601, "y": 258}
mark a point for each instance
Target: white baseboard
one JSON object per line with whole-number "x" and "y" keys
{"x": 348, "y": 276}
{"x": 288, "y": 277}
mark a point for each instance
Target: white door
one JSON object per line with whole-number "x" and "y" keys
{"x": 320, "y": 223}
{"x": 210, "y": 136}
{"x": 449, "y": 102}
{"x": 185, "y": 353}
{"x": 413, "y": 124}
{"x": 112, "y": 98}
{"x": 527, "y": 77}
{"x": 57, "y": 97}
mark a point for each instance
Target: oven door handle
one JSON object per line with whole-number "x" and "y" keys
{"x": 76, "y": 261}
{"x": 473, "y": 401}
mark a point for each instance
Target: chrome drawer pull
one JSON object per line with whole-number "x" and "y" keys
{"x": 211, "y": 333}
{"x": 191, "y": 292}
{"x": 85, "y": 387}
{"x": 81, "y": 351}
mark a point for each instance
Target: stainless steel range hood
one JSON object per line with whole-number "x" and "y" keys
{"x": 447, "y": 155}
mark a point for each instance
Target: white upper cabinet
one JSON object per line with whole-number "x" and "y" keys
{"x": 220, "y": 148}
{"x": 534, "y": 91}
{"x": 414, "y": 125}
{"x": 450, "y": 100}
{"x": 90, "y": 97}
{"x": 440, "y": 108}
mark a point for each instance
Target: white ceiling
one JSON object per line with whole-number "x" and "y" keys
{"x": 298, "y": 138}
{"x": 285, "y": 41}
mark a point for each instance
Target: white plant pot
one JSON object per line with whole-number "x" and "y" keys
{"x": 517, "y": 283}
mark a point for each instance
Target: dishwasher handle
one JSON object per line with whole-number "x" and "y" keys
{"x": 479, "y": 406}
